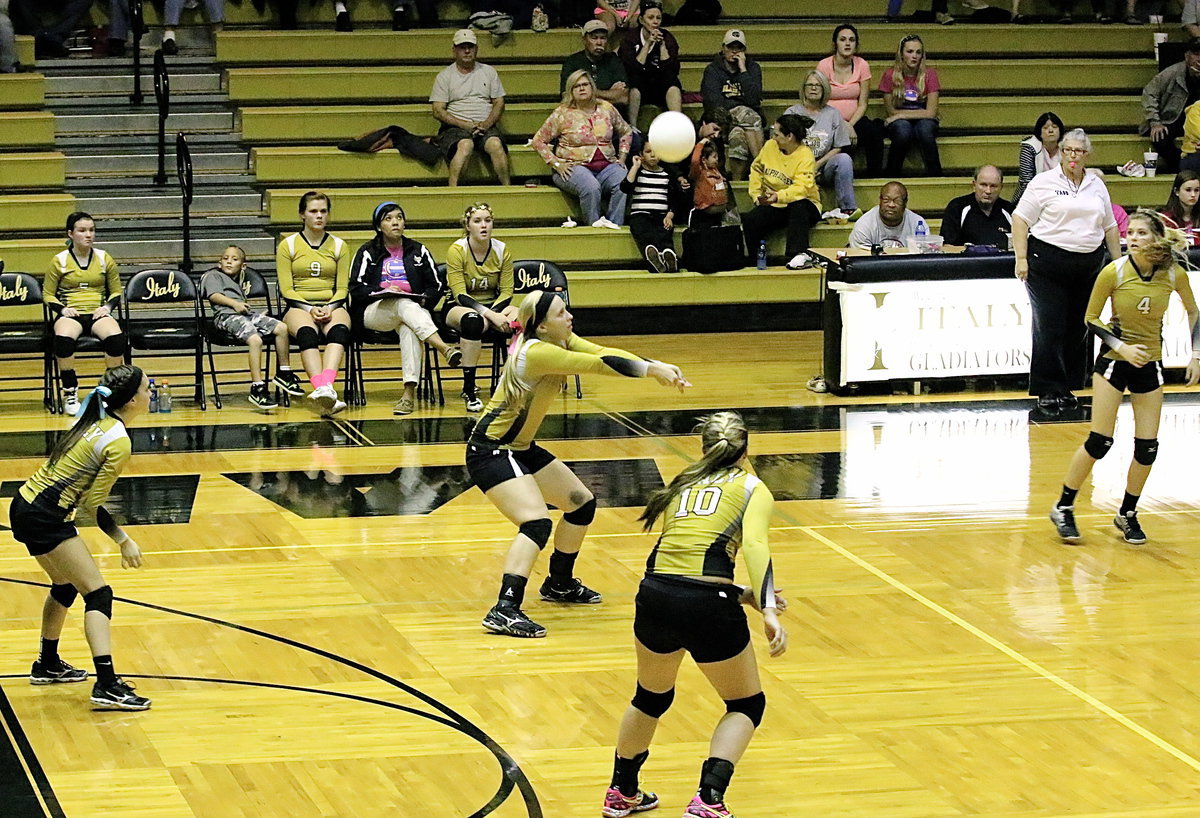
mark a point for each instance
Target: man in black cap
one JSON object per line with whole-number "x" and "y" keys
{"x": 1164, "y": 100}
{"x": 733, "y": 81}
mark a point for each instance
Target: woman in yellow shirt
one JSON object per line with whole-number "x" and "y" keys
{"x": 313, "y": 269}
{"x": 82, "y": 289}
{"x": 784, "y": 189}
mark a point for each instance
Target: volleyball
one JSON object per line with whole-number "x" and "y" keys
{"x": 672, "y": 136}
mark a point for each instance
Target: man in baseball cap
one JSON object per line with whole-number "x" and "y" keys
{"x": 605, "y": 66}
{"x": 734, "y": 82}
{"x": 468, "y": 99}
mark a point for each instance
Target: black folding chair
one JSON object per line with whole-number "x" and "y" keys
{"x": 161, "y": 314}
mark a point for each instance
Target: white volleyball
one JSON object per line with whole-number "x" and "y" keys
{"x": 672, "y": 136}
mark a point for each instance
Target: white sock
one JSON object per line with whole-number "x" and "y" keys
{"x": 168, "y": 34}
{"x": 338, "y": 6}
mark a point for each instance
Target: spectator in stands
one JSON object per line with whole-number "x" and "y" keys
{"x": 8, "y": 46}
{"x": 890, "y": 223}
{"x": 341, "y": 14}
{"x": 783, "y": 187}
{"x": 1182, "y": 210}
{"x": 479, "y": 274}
{"x": 849, "y": 82}
{"x": 225, "y": 287}
{"x": 312, "y": 268}
{"x": 618, "y": 13}
{"x": 711, "y": 194}
{"x": 468, "y": 99}
{"x": 939, "y": 8}
{"x": 1164, "y": 101}
{"x": 651, "y": 60}
{"x": 655, "y": 197}
{"x": 1060, "y": 231}
{"x": 1189, "y": 150}
{"x": 734, "y": 81}
{"x": 910, "y": 96}
{"x": 393, "y": 282}
{"x": 1039, "y": 152}
{"x": 118, "y": 27}
{"x": 981, "y": 216}
{"x": 1099, "y": 12}
{"x": 82, "y": 290}
{"x": 174, "y": 11}
{"x": 50, "y": 31}
{"x": 1190, "y": 21}
{"x": 586, "y": 164}
{"x": 603, "y": 66}
{"x": 827, "y": 136}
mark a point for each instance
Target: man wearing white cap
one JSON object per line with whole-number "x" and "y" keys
{"x": 468, "y": 99}
{"x": 734, "y": 82}
{"x": 608, "y": 73}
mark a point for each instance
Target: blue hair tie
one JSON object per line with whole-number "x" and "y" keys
{"x": 377, "y": 216}
{"x": 103, "y": 392}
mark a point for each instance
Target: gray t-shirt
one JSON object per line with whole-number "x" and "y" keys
{"x": 216, "y": 281}
{"x": 467, "y": 96}
{"x": 870, "y": 230}
{"x": 828, "y": 130}
{"x": 1191, "y": 13}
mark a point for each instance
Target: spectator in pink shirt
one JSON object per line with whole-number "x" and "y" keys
{"x": 910, "y": 96}
{"x": 849, "y": 84}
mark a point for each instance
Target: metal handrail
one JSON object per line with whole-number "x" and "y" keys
{"x": 183, "y": 168}
{"x": 138, "y": 24}
{"x": 162, "y": 93}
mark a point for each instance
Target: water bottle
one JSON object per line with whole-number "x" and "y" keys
{"x": 153, "y": 396}
{"x": 762, "y": 254}
{"x": 164, "y": 397}
{"x": 922, "y": 230}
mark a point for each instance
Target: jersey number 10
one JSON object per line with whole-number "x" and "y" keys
{"x": 702, "y": 502}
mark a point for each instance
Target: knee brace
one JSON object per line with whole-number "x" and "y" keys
{"x": 307, "y": 338}
{"x": 64, "y": 346}
{"x": 64, "y": 594}
{"x": 471, "y": 326}
{"x": 752, "y": 707}
{"x": 538, "y": 531}
{"x": 582, "y": 515}
{"x": 114, "y": 345}
{"x": 338, "y": 334}
{"x": 652, "y": 704}
{"x": 1097, "y": 445}
{"x": 1145, "y": 450}
{"x": 99, "y": 600}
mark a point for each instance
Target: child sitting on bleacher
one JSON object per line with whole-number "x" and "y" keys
{"x": 653, "y": 196}
{"x": 225, "y": 287}
{"x": 710, "y": 187}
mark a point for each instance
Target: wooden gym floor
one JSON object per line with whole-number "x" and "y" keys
{"x": 307, "y": 621}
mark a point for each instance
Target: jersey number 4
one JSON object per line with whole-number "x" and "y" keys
{"x": 702, "y": 502}
{"x": 1143, "y": 306}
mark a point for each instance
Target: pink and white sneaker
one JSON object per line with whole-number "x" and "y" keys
{"x": 618, "y": 805}
{"x": 699, "y": 809}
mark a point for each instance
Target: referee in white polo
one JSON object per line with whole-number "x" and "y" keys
{"x": 1060, "y": 230}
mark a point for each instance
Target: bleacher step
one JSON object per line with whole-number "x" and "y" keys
{"x": 146, "y": 163}
{"x": 127, "y": 183}
{"x": 79, "y": 88}
{"x": 165, "y": 202}
{"x": 145, "y": 123}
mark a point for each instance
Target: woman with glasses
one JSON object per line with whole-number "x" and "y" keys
{"x": 1059, "y": 234}
{"x": 849, "y": 78}
{"x": 910, "y": 91}
{"x": 827, "y": 138}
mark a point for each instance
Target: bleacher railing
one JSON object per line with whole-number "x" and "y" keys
{"x": 138, "y": 25}
{"x": 183, "y": 168}
{"x": 162, "y": 94}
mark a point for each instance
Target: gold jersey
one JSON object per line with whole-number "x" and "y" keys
{"x": 83, "y": 287}
{"x": 489, "y": 282}
{"x": 313, "y": 275}
{"x": 1138, "y": 304}
{"x": 84, "y": 475}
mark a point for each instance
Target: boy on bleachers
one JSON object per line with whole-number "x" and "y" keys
{"x": 225, "y": 287}
{"x": 654, "y": 196}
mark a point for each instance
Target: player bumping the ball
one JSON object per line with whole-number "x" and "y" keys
{"x": 519, "y": 476}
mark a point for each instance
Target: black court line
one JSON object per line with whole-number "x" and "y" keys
{"x": 25, "y": 791}
{"x": 512, "y": 775}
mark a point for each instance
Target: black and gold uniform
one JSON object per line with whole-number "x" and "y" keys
{"x": 84, "y": 287}
{"x": 1139, "y": 303}
{"x": 43, "y": 512}
{"x": 488, "y": 283}
{"x": 313, "y": 276}
{"x": 704, "y": 528}
{"x": 501, "y": 446}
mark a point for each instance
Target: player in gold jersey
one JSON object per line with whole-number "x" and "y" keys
{"x": 82, "y": 468}
{"x": 313, "y": 268}
{"x": 82, "y": 288}
{"x": 1139, "y": 285}
{"x": 519, "y": 476}
{"x": 688, "y": 603}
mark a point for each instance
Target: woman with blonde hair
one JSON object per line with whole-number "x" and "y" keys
{"x": 688, "y": 603}
{"x": 828, "y": 137}
{"x": 586, "y": 162}
{"x": 910, "y": 91}
{"x": 518, "y": 476}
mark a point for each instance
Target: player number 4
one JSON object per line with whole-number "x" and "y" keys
{"x": 1143, "y": 306}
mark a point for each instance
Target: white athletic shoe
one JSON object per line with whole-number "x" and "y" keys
{"x": 324, "y": 398}
{"x": 604, "y": 222}
{"x": 800, "y": 261}
{"x": 71, "y": 402}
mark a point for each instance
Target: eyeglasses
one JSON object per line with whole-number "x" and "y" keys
{"x": 812, "y": 85}
{"x": 1075, "y": 151}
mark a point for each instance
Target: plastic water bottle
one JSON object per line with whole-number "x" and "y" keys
{"x": 762, "y": 254}
{"x": 164, "y": 397}
{"x": 153, "y": 396}
{"x": 922, "y": 230}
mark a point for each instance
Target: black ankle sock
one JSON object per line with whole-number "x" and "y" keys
{"x": 714, "y": 780}
{"x": 1129, "y": 503}
{"x": 104, "y": 669}
{"x": 625, "y": 773}
{"x": 468, "y": 379}
{"x": 49, "y": 654}
{"x": 512, "y": 590}
{"x": 562, "y": 568}
{"x": 1067, "y": 499}
{"x": 69, "y": 379}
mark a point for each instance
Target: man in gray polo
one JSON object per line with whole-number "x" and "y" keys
{"x": 468, "y": 99}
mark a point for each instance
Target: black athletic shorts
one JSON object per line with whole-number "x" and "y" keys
{"x": 1124, "y": 375}
{"x": 490, "y": 466}
{"x": 703, "y": 618}
{"x": 40, "y": 531}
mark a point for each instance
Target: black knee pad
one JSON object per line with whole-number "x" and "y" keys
{"x": 114, "y": 345}
{"x": 1145, "y": 450}
{"x": 99, "y": 600}
{"x": 652, "y": 704}
{"x": 64, "y": 594}
{"x": 338, "y": 334}
{"x": 537, "y": 530}
{"x": 471, "y": 326}
{"x": 1097, "y": 445}
{"x": 307, "y": 338}
{"x": 752, "y": 707}
{"x": 64, "y": 346}
{"x": 582, "y": 515}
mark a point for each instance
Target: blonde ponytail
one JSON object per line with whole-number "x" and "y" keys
{"x": 723, "y": 439}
